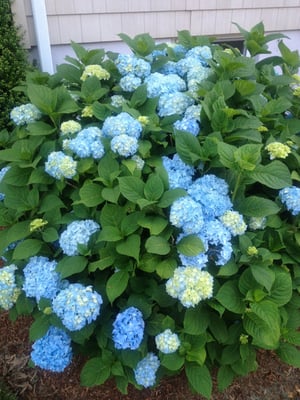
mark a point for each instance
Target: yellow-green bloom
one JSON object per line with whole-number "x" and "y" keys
{"x": 262, "y": 128}
{"x": 252, "y": 251}
{"x": 70, "y": 126}
{"x": 87, "y": 111}
{"x": 143, "y": 119}
{"x": 95, "y": 70}
{"x": 278, "y": 150}
{"x": 37, "y": 224}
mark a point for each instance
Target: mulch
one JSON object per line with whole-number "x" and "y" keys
{"x": 272, "y": 381}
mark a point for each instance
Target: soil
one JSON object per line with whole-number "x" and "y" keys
{"x": 272, "y": 381}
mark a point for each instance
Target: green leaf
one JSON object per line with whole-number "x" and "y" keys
{"x": 108, "y": 169}
{"x": 27, "y": 248}
{"x": 17, "y": 176}
{"x": 132, "y": 188}
{"x": 139, "y": 96}
{"x": 290, "y": 57}
{"x": 71, "y": 265}
{"x": 39, "y": 327}
{"x": 130, "y": 247}
{"x": 282, "y": 288}
{"x": 289, "y": 354}
{"x": 190, "y": 245}
{"x": 43, "y": 97}
{"x": 110, "y": 234}
{"x": 188, "y": 148}
{"x": 248, "y": 156}
{"x": 276, "y": 106}
{"x": 50, "y": 235}
{"x": 263, "y": 275}
{"x": 157, "y": 245}
{"x": 40, "y": 128}
{"x": 116, "y": 285}
{"x": 91, "y": 89}
{"x": 111, "y": 194}
{"x": 154, "y": 188}
{"x": 166, "y": 268}
{"x": 173, "y": 361}
{"x": 51, "y": 202}
{"x": 199, "y": 378}
{"x": 170, "y": 196}
{"x": 225, "y": 377}
{"x": 142, "y": 44}
{"x": 91, "y": 194}
{"x": 230, "y": 297}
{"x": 262, "y": 322}
{"x": 196, "y": 320}
{"x": 155, "y": 224}
{"x": 226, "y": 154}
{"x": 275, "y": 175}
{"x": 254, "y": 206}
{"x": 94, "y": 372}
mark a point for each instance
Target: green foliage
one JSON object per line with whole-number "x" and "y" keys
{"x": 13, "y": 63}
{"x": 245, "y": 105}
{"x": 6, "y": 393}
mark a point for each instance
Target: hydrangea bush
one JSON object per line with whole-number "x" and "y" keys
{"x": 151, "y": 207}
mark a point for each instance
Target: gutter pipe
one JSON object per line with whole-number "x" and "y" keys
{"x": 42, "y": 35}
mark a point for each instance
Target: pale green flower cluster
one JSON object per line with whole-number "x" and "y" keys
{"x": 278, "y": 150}
{"x": 9, "y": 292}
{"x": 167, "y": 342}
{"x": 190, "y": 285}
{"x": 69, "y": 127}
{"x": 234, "y": 222}
{"x": 95, "y": 70}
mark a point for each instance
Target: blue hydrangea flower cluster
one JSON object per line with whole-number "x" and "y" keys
{"x": 145, "y": 371}
{"x": 173, "y": 103}
{"x": 87, "y": 143}
{"x": 234, "y": 222}
{"x": 167, "y": 342}
{"x": 187, "y": 215}
{"x": 128, "y": 329}
{"x": 77, "y": 232}
{"x": 2, "y": 173}
{"x": 117, "y": 100}
{"x": 9, "y": 291}
{"x": 218, "y": 238}
{"x": 130, "y": 64}
{"x": 124, "y": 145}
{"x": 256, "y": 223}
{"x": 190, "y": 285}
{"x": 77, "y": 305}
{"x": 290, "y": 197}
{"x": 41, "y": 279}
{"x": 24, "y": 114}
{"x": 53, "y": 352}
{"x": 121, "y": 124}
{"x": 59, "y": 165}
{"x": 130, "y": 82}
{"x": 190, "y": 125}
{"x": 158, "y": 84}
{"x": 180, "y": 174}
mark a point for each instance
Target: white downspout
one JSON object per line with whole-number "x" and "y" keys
{"x": 42, "y": 35}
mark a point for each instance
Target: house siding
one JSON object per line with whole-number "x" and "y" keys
{"x": 96, "y": 21}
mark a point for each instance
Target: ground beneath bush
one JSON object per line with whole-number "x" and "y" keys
{"x": 272, "y": 381}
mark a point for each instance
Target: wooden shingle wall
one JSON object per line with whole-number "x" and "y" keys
{"x": 96, "y": 21}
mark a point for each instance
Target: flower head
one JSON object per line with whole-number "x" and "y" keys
{"x": 173, "y": 103}
{"x": 41, "y": 278}
{"x": 234, "y": 222}
{"x": 190, "y": 285}
{"x": 53, "y": 351}
{"x": 278, "y": 150}
{"x": 9, "y": 292}
{"x": 167, "y": 342}
{"x": 59, "y": 165}
{"x": 70, "y": 127}
{"x": 87, "y": 143}
{"x": 145, "y": 371}
{"x": 77, "y": 305}
{"x": 257, "y": 223}
{"x": 180, "y": 174}
{"x": 128, "y": 329}
{"x": 121, "y": 124}
{"x": 77, "y": 232}
{"x": 25, "y": 114}
{"x": 124, "y": 145}
{"x": 187, "y": 214}
{"x": 130, "y": 82}
{"x": 37, "y": 223}
{"x": 189, "y": 125}
{"x": 290, "y": 196}
{"x": 95, "y": 70}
